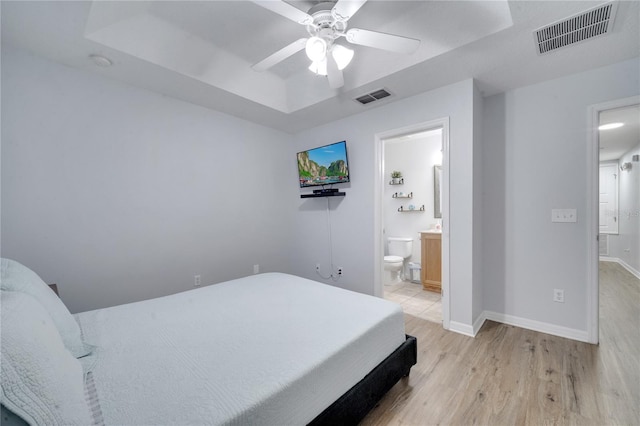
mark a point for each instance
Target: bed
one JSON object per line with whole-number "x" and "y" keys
{"x": 268, "y": 349}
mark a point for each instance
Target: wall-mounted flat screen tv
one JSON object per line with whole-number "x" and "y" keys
{"x": 324, "y": 165}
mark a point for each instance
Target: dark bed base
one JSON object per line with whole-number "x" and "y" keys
{"x": 351, "y": 407}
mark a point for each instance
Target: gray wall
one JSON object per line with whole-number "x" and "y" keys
{"x": 119, "y": 194}
{"x": 478, "y": 206}
{"x": 535, "y": 159}
{"x": 353, "y": 215}
{"x": 415, "y": 158}
{"x": 625, "y": 246}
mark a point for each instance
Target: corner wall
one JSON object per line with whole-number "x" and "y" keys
{"x": 119, "y": 194}
{"x": 353, "y": 231}
{"x": 478, "y": 211}
{"x": 415, "y": 158}
{"x": 535, "y": 159}
{"x": 625, "y": 246}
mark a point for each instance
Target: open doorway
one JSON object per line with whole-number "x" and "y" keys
{"x": 410, "y": 207}
{"x": 615, "y": 197}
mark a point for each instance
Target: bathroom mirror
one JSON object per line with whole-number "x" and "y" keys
{"x": 437, "y": 179}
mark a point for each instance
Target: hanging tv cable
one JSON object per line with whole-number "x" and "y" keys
{"x": 333, "y": 276}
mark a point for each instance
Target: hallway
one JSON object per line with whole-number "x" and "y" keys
{"x": 508, "y": 375}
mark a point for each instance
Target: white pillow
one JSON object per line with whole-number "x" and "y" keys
{"x": 41, "y": 381}
{"x": 17, "y": 277}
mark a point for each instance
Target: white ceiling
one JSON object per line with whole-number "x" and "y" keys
{"x": 202, "y": 51}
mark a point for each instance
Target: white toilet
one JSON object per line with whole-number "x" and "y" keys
{"x": 400, "y": 248}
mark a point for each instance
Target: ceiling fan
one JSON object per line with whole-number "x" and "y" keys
{"x": 326, "y": 22}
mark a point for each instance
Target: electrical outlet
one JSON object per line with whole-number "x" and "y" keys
{"x": 558, "y": 295}
{"x": 340, "y": 271}
{"x": 256, "y": 269}
{"x": 196, "y": 280}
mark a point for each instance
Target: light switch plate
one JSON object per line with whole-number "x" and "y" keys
{"x": 564, "y": 215}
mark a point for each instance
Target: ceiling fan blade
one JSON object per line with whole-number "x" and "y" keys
{"x": 280, "y": 55}
{"x": 345, "y": 9}
{"x": 286, "y": 10}
{"x": 390, "y": 42}
{"x": 336, "y": 79}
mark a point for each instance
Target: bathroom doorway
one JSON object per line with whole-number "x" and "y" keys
{"x": 615, "y": 209}
{"x": 410, "y": 206}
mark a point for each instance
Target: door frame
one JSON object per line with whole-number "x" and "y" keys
{"x": 378, "y": 221}
{"x": 616, "y": 193}
{"x": 593, "y": 211}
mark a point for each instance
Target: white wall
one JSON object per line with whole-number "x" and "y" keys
{"x": 625, "y": 246}
{"x": 478, "y": 208}
{"x": 415, "y": 158}
{"x": 535, "y": 159}
{"x": 120, "y": 194}
{"x": 353, "y": 216}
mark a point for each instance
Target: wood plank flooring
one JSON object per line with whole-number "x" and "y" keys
{"x": 512, "y": 376}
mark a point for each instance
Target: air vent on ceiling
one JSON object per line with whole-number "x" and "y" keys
{"x": 591, "y": 23}
{"x": 373, "y": 96}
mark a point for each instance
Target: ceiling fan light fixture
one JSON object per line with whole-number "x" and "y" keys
{"x": 316, "y": 48}
{"x": 342, "y": 56}
{"x": 319, "y": 67}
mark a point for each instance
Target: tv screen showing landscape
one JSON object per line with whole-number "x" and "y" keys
{"x": 324, "y": 165}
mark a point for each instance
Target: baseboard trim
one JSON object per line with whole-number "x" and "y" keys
{"x": 629, "y": 268}
{"x": 542, "y": 327}
{"x": 622, "y": 263}
{"x": 461, "y": 328}
{"x": 479, "y": 322}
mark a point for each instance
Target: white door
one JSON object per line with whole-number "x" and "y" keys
{"x": 609, "y": 198}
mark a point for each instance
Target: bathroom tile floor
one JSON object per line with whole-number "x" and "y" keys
{"x": 414, "y": 300}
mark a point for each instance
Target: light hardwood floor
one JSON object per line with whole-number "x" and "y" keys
{"x": 512, "y": 376}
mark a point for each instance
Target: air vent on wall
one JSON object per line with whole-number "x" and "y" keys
{"x": 373, "y": 96}
{"x": 591, "y": 23}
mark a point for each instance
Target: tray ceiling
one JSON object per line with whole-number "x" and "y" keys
{"x": 202, "y": 51}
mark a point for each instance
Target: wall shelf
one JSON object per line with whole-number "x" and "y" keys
{"x": 401, "y": 209}
{"x": 409, "y": 195}
{"x": 400, "y": 182}
{"x": 324, "y": 194}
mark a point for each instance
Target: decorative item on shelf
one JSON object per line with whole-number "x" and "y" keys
{"x": 411, "y": 208}
{"x": 402, "y": 195}
{"x": 396, "y": 178}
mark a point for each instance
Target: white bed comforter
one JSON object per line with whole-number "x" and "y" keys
{"x": 269, "y": 349}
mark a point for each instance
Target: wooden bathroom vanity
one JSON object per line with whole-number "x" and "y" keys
{"x": 431, "y": 273}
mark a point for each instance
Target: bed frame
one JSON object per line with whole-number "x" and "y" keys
{"x": 354, "y": 405}
{"x": 351, "y": 407}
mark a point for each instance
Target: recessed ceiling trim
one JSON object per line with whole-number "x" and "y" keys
{"x": 591, "y": 23}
